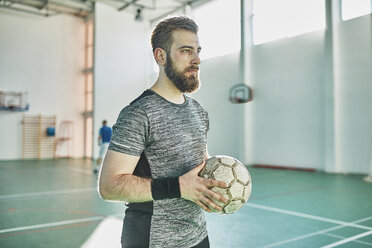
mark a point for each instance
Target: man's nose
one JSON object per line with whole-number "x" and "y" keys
{"x": 196, "y": 59}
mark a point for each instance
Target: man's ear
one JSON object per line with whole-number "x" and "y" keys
{"x": 160, "y": 56}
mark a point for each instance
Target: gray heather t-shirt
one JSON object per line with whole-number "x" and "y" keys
{"x": 173, "y": 138}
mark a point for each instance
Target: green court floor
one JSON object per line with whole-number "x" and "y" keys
{"x": 54, "y": 203}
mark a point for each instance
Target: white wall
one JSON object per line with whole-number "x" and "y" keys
{"x": 287, "y": 111}
{"x": 44, "y": 56}
{"x": 287, "y": 119}
{"x": 123, "y": 64}
{"x": 287, "y": 116}
{"x": 354, "y": 94}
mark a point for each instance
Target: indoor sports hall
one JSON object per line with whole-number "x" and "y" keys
{"x": 287, "y": 85}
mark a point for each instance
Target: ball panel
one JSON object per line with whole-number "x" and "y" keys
{"x": 227, "y": 160}
{"x": 210, "y": 165}
{"x": 233, "y": 206}
{"x": 223, "y": 173}
{"x": 237, "y": 190}
{"x": 242, "y": 174}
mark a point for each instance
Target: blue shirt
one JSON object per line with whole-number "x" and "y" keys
{"x": 105, "y": 133}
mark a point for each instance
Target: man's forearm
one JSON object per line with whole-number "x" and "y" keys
{"x": 126, "y": 187}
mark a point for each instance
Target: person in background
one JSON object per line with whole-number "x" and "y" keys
{"x": 104, "y": 139}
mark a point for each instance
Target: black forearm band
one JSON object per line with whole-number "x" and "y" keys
{"x": 166, "y": 188}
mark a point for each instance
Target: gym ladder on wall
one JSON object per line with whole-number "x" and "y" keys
{"x": 36, "y": 144}
{"x": 64, "y": 140}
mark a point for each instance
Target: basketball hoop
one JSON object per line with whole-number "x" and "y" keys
{"x": 240, "y": 93}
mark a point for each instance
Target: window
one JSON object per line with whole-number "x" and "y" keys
{"x": 275, "y": 19}
{"x": 219, "y": 27}
{"x": 355, "y": 8}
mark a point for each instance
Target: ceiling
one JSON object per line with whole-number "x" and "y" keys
{"x": 142, "y": 10}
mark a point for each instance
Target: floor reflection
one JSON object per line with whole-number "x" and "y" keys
{"x": 107, "y": 234}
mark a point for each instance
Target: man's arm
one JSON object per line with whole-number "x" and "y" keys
{"x": 117, "y": 183}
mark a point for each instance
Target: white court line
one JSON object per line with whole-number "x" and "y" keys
{"x": 46, "y": 193}
{"x": 342, "y": 237}
{"x": 348, "y": 239}
{"x": 83, "y": 171}
{"x": 60, "y": 223}
{"x": 52, "y": 224}
{"x": 308, "y": 216}
{"x": 314, "y": 233}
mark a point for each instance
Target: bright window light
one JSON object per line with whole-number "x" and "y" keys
{"x": 276, "y": 19}
{"x": 219, "y": 27}
{"x": 355, "y": 8}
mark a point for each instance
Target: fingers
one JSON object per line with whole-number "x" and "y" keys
{"x": 198, "y": 190}
{"x": 210, "y": 200}
{"x": 204, "y": 207}
{"x": 208, "y": 205}
{"x": 208, "y": 196}
{"x": 214, "y": 183}
{"x": 213, "y": 195}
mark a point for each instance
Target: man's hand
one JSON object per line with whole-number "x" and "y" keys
{"x": 195, "y": 188}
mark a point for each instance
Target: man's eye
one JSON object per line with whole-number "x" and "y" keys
{"x": 186, "y": 50}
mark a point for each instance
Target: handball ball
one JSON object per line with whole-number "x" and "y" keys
{"x": 235, "y": 175}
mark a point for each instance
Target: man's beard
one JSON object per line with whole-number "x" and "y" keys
{"x": 183, "y": 83}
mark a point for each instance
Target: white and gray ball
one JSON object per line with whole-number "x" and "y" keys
{"x": 236, "y": 176}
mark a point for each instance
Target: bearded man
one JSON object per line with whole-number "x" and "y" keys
{"x": 158, "y": 147}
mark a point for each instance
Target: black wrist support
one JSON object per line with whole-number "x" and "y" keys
{"x": 166, "y": 188}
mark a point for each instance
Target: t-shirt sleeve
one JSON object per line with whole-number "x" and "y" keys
{"x": 130, "y": 131}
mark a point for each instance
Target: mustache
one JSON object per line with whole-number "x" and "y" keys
{"x": 193, "y": 67}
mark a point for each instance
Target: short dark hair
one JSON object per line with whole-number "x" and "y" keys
{"x": 104, "y": 122}
{"x": 162, "y": 35}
